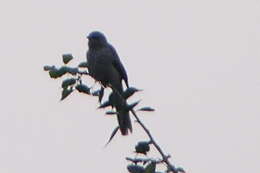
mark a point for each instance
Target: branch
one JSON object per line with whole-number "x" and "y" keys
{"x": 136, "y": 160}
{"x": 164, "y": 157}
{"x": 68, "y": 86}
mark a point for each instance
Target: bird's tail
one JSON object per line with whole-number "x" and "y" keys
{"x": 124, "y": 122}
{"x": 123, "y": 117}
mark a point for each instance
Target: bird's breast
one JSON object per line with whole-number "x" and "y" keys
{"x": 100, "y": 66}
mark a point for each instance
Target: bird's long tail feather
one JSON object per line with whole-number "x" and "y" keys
{"x": 123, "y": 117}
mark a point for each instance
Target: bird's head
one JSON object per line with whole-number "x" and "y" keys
{"x": 96, "y": 39}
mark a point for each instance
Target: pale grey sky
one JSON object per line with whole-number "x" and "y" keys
{"x": 197, "y": 61}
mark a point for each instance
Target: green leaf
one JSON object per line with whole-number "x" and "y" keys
{"x": 150, "y": 168}
{"x": 101, "y": 94}
{"x": 179, "y": 169}
{"x": 112, "y": 135}
{"x": 67, "y": 58}
{"x": 65, "y": 93}
{"x": 63, "y": 70}
{"x": 83, "y": 88}
{"x": 48, "y": 67}
{"x": 96, "y": 93}
{"x": 111, "y": 113}
{"x": 142, "y": 147}
{"x": 135, "y": 169}
{"x": 105, "y": 104}
{"x": 129, "y": 92}
{"x": 72, "y": 71}
{"x": 83, "y": 65}
{"x": 68, "y": 82}
{"x": 131, "y": 106}
{"x": 54, "y": 73}
{"x": 149, "y": 109}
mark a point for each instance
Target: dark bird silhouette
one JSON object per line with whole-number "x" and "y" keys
{"x": 105, "y": 66}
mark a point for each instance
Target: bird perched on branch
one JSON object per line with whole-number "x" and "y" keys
{"x": 105, "y": 66}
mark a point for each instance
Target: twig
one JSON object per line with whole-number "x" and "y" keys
{"x": 152, "y": 141}
{"x": 136, "y": 160}
{"x": 164, "y": 157}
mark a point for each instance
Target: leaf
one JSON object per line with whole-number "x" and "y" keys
{"x": 111, "y": 113}
{"x": 65, "y": 93}
{"x": 112, "y": 135}
{"x": 54, "y": 73}
{"x": 63, "y": 70}
{"x": 72, "y": 71}
{"x": 179, "y": 169}
{"x": 144, "y": 162}
{"x": 67, "y": 58}
{"x": 149, "y": 109}
{"x": 105, "y": 104}
{"x": 135, "y": 169}
{"x": 83, "y": 88}
{"x": 150, "y": 168}
{"x": 101, "y": 94}
{"x": 142, "y": 147}
{"x": 129, "y": 92}
{"x": 48, "y": 67}
{"x": 96, "y": 93}
{"x": 68, "y": 82}
{"x": 83, "y": 65}
{"x": 131, "y": 106}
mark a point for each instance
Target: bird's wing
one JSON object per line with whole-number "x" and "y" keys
{"x": 119, "y": 66}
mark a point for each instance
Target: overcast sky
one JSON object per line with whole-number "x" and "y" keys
{"x": 197, "y": 61}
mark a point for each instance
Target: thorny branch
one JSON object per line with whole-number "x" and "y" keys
{"x": 56, "y": 73}
{"x": 142, "y": 160}
{"x": 165, "y": 158}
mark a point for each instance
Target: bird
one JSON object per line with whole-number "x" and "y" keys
{"x": 105, "y": 66}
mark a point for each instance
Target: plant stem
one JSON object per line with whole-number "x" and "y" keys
{"x": 164, "y": 157}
